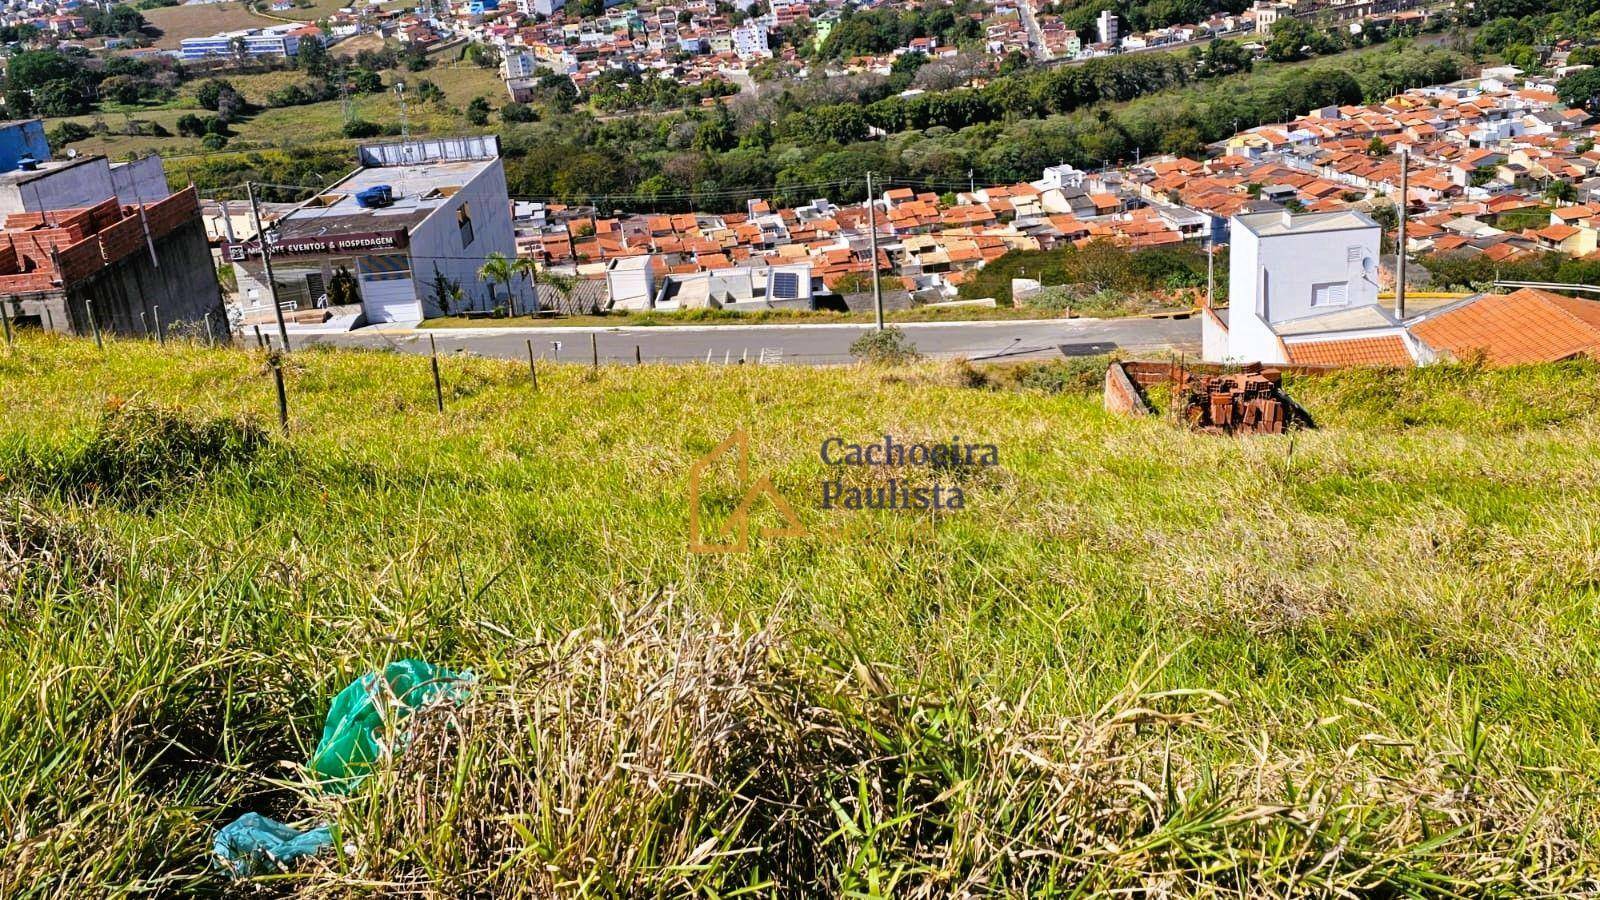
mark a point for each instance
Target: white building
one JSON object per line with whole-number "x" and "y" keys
{"x": 631, "y": 282}
{"x": 403, "y": 235}
{"x": 256, "y": 43}
{"x": 1106, "y": 26}
{"x": 1298, "y": 285}
{"x": 1267, "y": 15}
{"x": 80, "y": 181}
{"x": 544, "y": 8}
{"x": 750, "y": 41}
{"x": 1060, "y": 177}
{"x": 518, "y": 64}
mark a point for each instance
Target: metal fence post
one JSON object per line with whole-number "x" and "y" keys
{"x": 161, "y": 339}
{"x": 276, "y": 361}
{"x": 438, "y": 387}
{"x": 94, "y": 324}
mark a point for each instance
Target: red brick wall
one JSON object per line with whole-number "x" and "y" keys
{"x": 80, "y": 260}
{"x": 169, "y": 214}
{"x": 121, "y": 239}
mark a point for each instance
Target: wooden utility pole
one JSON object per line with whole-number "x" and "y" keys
{"x": 872, "y": 226}
{"x": 533, "y": 368}
{"x": 266, "y": 263}
{"x": 1400, "y": 239}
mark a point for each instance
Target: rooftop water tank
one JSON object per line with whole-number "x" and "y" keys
{"x": 375, "y": 196}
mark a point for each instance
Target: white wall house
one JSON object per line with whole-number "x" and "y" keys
{"x": 1295, "y": 280}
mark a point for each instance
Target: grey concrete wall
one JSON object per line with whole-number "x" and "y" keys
{"x": 184, "y": 286}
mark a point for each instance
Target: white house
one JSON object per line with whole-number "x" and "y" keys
{"x": 631, "y": 282}
{"x": 1304, "y": 290}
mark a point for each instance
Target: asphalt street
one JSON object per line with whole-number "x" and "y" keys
{"x": 802, "y": 344}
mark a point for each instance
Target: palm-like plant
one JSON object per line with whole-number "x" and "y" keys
{"x": 563, "y": 285}
{"x": 497, "y": 269}
{"x": 528, "y": 268}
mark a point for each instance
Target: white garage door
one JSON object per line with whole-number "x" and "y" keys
{"x": 388, "y": 293}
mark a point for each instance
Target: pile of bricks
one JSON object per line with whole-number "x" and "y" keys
{"x": 1240, "y": 403}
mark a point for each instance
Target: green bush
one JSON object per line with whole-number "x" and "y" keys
{"x": 886, "y": 347}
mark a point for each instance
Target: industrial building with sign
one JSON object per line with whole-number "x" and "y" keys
{"x": 403, "y": 236}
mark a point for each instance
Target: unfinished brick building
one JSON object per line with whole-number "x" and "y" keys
{"x": 110, "y": 267}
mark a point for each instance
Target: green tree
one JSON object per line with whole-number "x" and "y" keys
{"x": 478, "y": 111}
{"x": 498, "y": 270}
{"x": 210, "y": 92}
{"x": 1581, "y": 89}
{"x": 124, "y": 89}
{"x": 60, "y": 98}
{"x": 313, "y": 58}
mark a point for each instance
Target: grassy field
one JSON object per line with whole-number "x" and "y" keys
{"x": 299, "y": 125}
{"x": 200, "y": 20}
{"x": 1352, "y": 661}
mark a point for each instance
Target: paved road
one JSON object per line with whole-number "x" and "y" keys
{"x": 803, "y": 344}
{"x": 1035, "y": 35}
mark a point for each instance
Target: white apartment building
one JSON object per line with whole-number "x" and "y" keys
{"x": 1106, "y": 27}
{"x": 750, "y": 41}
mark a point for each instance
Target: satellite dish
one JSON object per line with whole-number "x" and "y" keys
{"x": 72, "y": 153}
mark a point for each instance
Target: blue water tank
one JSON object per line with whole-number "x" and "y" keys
{"x": 375, "y": 196}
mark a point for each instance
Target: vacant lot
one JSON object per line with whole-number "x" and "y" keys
{"x": 200, "y": 20}
{"x": 299, "y": 125}
{"x": 1356, "y": 660}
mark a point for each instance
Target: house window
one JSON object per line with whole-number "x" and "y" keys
{"x": 1332, "y": 293}
{"x": 464, "y": 222}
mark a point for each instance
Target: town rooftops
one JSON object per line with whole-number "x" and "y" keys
{"x": 1267, "y": 224}
{"x": 1526, "y": 326}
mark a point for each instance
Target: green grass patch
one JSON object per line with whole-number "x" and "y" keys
{"x": 1351, "y": 660}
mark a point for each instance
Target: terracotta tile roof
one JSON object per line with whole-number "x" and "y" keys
{"x": 1523, "y": 327}
{"x": 1388, "y": 350}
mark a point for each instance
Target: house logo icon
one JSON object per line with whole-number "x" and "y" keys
{"x": 734, "y": 534}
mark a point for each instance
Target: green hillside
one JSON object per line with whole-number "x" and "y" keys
{"x": 1352, "y": 660}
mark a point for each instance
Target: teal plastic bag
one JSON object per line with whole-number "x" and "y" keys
{"x": 351, "y": 734}
{"x": 254, "y": 844}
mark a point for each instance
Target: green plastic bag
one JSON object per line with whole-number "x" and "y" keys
{"x": 355, "y": 723}
{"x": 253, "y": 844}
